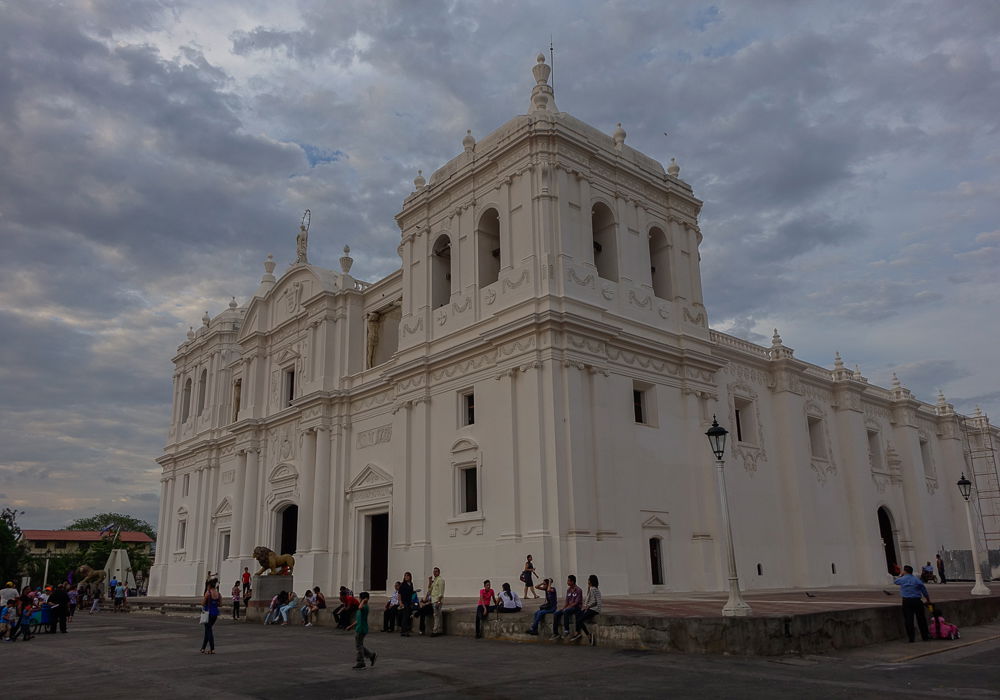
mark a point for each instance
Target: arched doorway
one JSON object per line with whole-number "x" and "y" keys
{"x": 287, "y": 530}
{"x": 885, "y": 529}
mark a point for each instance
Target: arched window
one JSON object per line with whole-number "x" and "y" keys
{"x": 202, "y": 386}
{"x": 659, "y": 264}
{"x": 186, "y": 401}
{"x": 602, "y": 223}
{"x": 489, "y": 252}
{"x": 441, "y": 272}
{"x": 656, "y": 561}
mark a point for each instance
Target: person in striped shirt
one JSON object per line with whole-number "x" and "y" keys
{"x": 589, "y": 610}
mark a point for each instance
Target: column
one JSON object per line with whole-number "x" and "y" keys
{"x": 307, "y": 470}
{"x": 167, "y": 533}
{"x": 160, "y": 523}
{"x": 236, "y": 541}
{"x": 197, "y": 518}
{"x": 513, "y": 530}
{"x": 321, "y": 491}
{"x": 250, "y": 508}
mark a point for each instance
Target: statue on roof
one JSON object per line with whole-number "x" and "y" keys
{"x": 302, "y": 240}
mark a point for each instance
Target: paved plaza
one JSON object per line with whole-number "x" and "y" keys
{"x": 143, "y": 655}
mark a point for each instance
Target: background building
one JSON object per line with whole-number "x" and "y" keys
{"x": 69, "y": 541}
{"x": 537, "y": 378}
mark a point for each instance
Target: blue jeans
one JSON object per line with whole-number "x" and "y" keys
{"x": 539, "y": 618}
{"x": 565, "y": 615}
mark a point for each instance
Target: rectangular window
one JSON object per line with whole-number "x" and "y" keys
{"x": 469, "y": 490}
{"x": 467, "y": 407}
{"x": 289, "y": 387}
{"x": 925, "y": 456}
{"x": 874, "y": 450}
{"x": 746, "y": 420}
{"x": 60, "y": 544}
{"x": 644, "y": 403}
{"x": 185, "y": 489}
{"x": 237, "y": 391}
{"x": 181, "y": 533}
{"x": 816, "y": 442}
{"x": 225, "y": 545}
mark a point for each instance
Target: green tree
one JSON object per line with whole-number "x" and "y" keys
{"x": 13, "y": 551}
{"x": 125, "y": 522}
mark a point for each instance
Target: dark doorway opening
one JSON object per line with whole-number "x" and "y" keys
{"x": 888, "y": 539}
{"x": 656, "y": 560}
{"x": 288, "y": 530}
{"x": 378, "y": 547}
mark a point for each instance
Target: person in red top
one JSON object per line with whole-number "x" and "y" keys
{"x": 487, "y": 602}
{"x": 345, "y": 614}
{"x": 246, "y": 580}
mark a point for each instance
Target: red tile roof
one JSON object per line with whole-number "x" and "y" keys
{"x": 82, "y": 536}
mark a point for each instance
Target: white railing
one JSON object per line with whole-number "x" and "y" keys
{"x": 739, "y": 344}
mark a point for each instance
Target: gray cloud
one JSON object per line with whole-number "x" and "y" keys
{"x": 154, "y": 153}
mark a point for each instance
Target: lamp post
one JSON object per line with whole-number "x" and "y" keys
{"x": 735, "y": 606}
{"x": 965, "y": 488}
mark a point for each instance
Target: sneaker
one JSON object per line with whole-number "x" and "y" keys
{"x": 359, "y": 666}
{"x": 374, "y": 656}
{"x": 578, "y": 635}
{"x": 554, "y": 637}
{"x": 309, "y": 624}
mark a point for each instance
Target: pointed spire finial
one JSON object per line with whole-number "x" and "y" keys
{"x": 895, "y": 382}
{"x": 941, "y": 400}
{"x": 776, "y": 339}
{"x": 542, "y": 97}
{"x": 419, "y": 181}
{"x": 838, "y": 363}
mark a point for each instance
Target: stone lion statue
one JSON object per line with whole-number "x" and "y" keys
{"x": 89, "y": 575}
{"x": 269, "y": 559}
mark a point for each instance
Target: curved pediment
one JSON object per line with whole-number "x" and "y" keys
{"x": 285, "y": 299}
{"x": 464, "y": 445}
{"x": 282, "y": 472}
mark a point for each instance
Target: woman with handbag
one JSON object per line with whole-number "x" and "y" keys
{"x": 527, "y": 576}
{"x": 209, "y": 614}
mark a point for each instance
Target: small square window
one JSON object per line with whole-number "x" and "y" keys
{"x": 467, "y": 407}
{"x": 468, "y": 484}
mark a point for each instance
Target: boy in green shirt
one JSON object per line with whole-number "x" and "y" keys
{"x": 360, "y": 630}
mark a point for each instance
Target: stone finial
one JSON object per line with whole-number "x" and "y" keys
{"x": 419, "y": 181}
{"x": 190, "y": 333}
{"x": 858, "y": 377}
{"x": 673, "y": 170}
{"x": 619, "y": 136}
{"x": 268, "y": 269}
{"x": 838, "y": 363}
{"x": 469, "y": 142}
{"x": 542, "y": 97}
{"x": 232, "y": 304}
{"x": 896, "y": 384}
{"x": 346, "y": 260}
{"x": 776, "y": 339}
{"x": 979, "y": 412}
{"x": 206, "y": 320}
{"x": 941, "y": 400}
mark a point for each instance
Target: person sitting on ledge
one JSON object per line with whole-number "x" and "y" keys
{"x": 549, "y": 606}
{"x": 308, "y": 606}
{"x": 347, "y": 610}
{"x": 590, "y": 609}
{"x": 425, "y": 607}
{"x": 391, "y": 612}
{"x": 508, "y": 600}
{"x": 293, "y": 602}
{"x": 487, "y": 602}
{"x": 574, "y": 597}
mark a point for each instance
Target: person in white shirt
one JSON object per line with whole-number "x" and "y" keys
{"x": 8, "y": 593}
{"x": 391, "y": 613}
{"x": 510, "y": 602}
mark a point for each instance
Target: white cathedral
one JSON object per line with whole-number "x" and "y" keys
{"x": 537, "y": 378}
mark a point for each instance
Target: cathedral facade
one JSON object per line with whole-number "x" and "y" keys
{"x": 537, "y": 378}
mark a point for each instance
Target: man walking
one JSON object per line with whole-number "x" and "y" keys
{"x": 437, "y": 600}
{"x": 911, "y": 589}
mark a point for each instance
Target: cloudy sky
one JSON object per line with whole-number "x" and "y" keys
{"x": 153, "y": 153}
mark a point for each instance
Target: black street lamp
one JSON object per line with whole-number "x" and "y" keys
{"x": 717, "y": 438}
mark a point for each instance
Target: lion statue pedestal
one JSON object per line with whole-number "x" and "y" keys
{"x": 265, "y": 588}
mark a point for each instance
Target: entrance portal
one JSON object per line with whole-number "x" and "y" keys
{"x": 288, "y": 529}
{"x": 378, "y": 551}
{"x": 888, "y": 538}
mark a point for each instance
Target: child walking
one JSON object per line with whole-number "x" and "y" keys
{"x": 360, "y": 630}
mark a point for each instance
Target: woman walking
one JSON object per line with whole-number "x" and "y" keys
{"x": 210, "y": 604}
{"x": 527, "y": 578}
